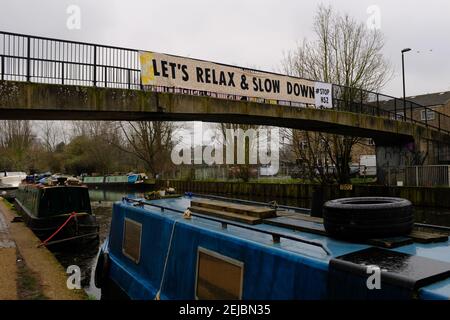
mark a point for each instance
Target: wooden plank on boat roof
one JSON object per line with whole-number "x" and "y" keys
{"x": 230, "y": 205}
{"x": 392, "y": 242}
{"x": 427, "y": 237}
{"x": 226, "y": 215}
{"x": 255, "y": 211}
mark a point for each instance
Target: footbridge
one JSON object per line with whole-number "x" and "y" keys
{"x": 52, "y": 79}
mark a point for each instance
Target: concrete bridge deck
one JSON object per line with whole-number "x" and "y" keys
{"x": 38, "y": 101}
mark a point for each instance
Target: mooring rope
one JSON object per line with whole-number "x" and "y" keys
{"x": 158, "y": 294}
{"x": 72, "y": 215}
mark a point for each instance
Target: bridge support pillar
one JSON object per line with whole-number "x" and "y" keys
{"x": 393, "y": 157}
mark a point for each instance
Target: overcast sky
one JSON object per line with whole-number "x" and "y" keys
{"x": 251, "y": 33}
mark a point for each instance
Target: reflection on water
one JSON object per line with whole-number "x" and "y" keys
{"x": 102, "y": 201}
{"x": 111, "y": 195}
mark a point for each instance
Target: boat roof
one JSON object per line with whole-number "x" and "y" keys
{"x": 44, "y": 186}
{"x": 261, "y": 234}
{"x": 12, "y": 173}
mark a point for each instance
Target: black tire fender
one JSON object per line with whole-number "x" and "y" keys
{"x": 368, "y": 217}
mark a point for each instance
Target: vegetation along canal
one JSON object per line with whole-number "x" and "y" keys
{"x": 102, "y": 201}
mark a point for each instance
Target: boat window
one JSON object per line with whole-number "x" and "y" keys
{"x": 218, "y": 277}
{"x": 131, "y": 246}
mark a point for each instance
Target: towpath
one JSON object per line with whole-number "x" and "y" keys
{"x": 29, "y": 272}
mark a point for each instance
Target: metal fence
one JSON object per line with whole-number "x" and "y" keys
{"x": 419, "y": 176}
{"x": 222, "y": 172}
{"x": 47, "y": 60}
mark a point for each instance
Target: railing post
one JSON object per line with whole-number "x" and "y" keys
{"x": 417, "y": 176}
{"x": 28, "y": 58}
{"x": 106, "y": 76}
{"x": 378, "y": 104}
{"x": 404, "y": 110}
{"x": 129, "y": 79}
{"x": 439, "y": 121}
{"x": 332, "y": 96}
{"x": 95, "y": 67}
{"x": 62, "y": 73}
{"x": 361, "y": 101}
{"x": 3, "y": 67}
{"x": 411, "y": 110}
{"x": 276, "y": 238}
{"x": 395, "y": 108}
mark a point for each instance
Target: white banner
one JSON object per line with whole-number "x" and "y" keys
{"x": 323, "y": 95}
{"x": 170, "y": 71}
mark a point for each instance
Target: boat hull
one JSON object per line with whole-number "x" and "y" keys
{"x": 83, "y": 226}
{"x": 168, "y": 254}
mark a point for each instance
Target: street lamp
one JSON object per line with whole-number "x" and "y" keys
{"x": 403, "y": 72}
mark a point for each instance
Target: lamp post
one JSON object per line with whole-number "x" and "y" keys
{"x": 403, "y": 72}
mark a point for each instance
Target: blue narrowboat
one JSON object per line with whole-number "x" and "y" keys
{"x": 206, "y": 247}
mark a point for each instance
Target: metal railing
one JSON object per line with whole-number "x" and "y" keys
{"x": 418, "y": 176}
{"x": 55, "y": 61}
{"x": 46, "y": 60}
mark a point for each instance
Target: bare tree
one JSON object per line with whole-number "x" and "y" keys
{"x": 16, "y": 140}
{"x": 51, "y": 134}
{"x": 345, "y": 53}
{"x": 149, "y": 141}
{"x": 311, "y": 154}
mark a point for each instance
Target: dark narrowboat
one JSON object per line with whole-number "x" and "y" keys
{"x": 58, "y": 210}
{"x": 204, "y": 247}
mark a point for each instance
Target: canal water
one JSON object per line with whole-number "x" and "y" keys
{"x": 102, "y": 201}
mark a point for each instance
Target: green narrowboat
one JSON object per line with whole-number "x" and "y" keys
{"x": 62, "y": 212}
{"x": 130, "y": 180}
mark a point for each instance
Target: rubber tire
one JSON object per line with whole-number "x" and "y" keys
{"x": 368, "y": 217}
